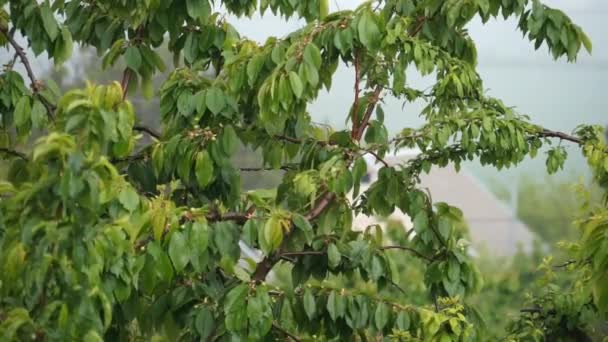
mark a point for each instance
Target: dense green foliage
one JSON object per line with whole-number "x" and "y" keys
{"x": 103, "y": 238}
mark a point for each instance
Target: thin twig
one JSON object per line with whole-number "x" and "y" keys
{"x": 303, "y": 253}
{"x": 554, "y": 134}
{"x": 411, "y": 250}
{"x": 150, "y": 131}
{"x": 368, "y": 113}
{"x": 373, "y": 153}
{"x": 258, "y": 169}
{"x": 355, "y": 112}
{"x": 36, "y": 85}
{"x": 537, "y": 311}
{"x": 265, "y": 266}
{"x": 13, "y": 153}
{"x": 285, "y": 332}
{"x": 124, "y": 82}
{"x": 11, "y": 64}
{"x": 419, "y": 26}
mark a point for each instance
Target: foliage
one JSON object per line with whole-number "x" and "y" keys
{"x": 102, "y": 242}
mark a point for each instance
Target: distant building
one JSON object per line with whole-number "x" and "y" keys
{"x": 492, "y": 225}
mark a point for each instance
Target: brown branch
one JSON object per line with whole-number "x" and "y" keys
{"x": 289, "y": 139}
{"x": 264, "y": 266}
{"x": 537, "y": 311}
{"x": 285, "y": 332}
{"x": 355, "y": 112}
{"x": 411, "y": 250}
{"x": 373, "y": 153}
{"x": 303, "y": 253}
{"x": 419, "y": 26}
{"x": 129, "y": 159}
{"x": 124, "y": 82}
{"x": 13, "y": 153}
{"x": 36, "y": 84}
{"x": 240, "y": 218}
{"x": 368, "y": 113}
{"x": 546, "y": 133}
{"x": 321, "y": 206}
{"x": 11, "y": 64}
{"x": 286, "y": 167}
{"x": 148, "y": 130}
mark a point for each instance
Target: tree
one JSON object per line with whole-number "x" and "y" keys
{"x": 100, "y": 240}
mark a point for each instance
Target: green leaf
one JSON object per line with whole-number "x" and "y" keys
{"x": 22, "y": 111}
{"x": 336, "y": 305}
{"x": 310, "y": 306}
{"x": 199, "y": 237}
{"x": 39, "y": 118}
{"x": 302, "y": 223}
{"x": 381, "y": 316}
{"x": 198, "y": 9}
{"x": 147, "y": 88}
{"x": 586, "y": 42}
{"x": 235, "y": 308}
{"x": 310, "y": 74}
{"x": 203, "y": 168}
{"x": 312, "y": 55}
{"x": 229, "y": 140}
{"x": 259, "y": 312}
{"x": 215, "y": 100}
{"x": 403, "y": 321}
{"x": 369, "y": 33}
{"x": 421, "y": 222}
{"x": 48, "y": 21}
{"x": 129, "y": 198}
{"x": 377, "y": 269}
{"x": 204, "y": 323}
{"x": 333, "y": 255}
{"x": 179, "y": 251}
{"x": 63, "y": 46}
{"x": 296, "y": 84}
{"x": 133, "y": 58}
{"x": 323, "y": 9}
{"x": 186, "y": 103}
{"x": 273, "y": 233}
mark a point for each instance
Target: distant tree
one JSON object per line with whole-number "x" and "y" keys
{"x": 103, "y": 241}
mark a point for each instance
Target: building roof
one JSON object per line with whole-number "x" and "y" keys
{"x": 492, "y": 225}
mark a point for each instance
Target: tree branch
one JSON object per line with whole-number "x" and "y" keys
{"x": 368, "y": 113}
{"x": 373, "y": 153}
{"x": 257, "y": 169}
{"x": 285, "y": 332}
{"x": 419, "y": 26}
{"x": 13, "y": 153}
{"x": 239, "y": 218}
{"x": 408, "y": 249}
{"x": 264, "y": 266}
{"x": 148, "y": 130}
{"x": 36, "y": 84}
{"x": 546, "y": 133}
{"x": 303, "y": 253}
{"x": 355, "y": 110}
{"x": 124, "y": 82}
